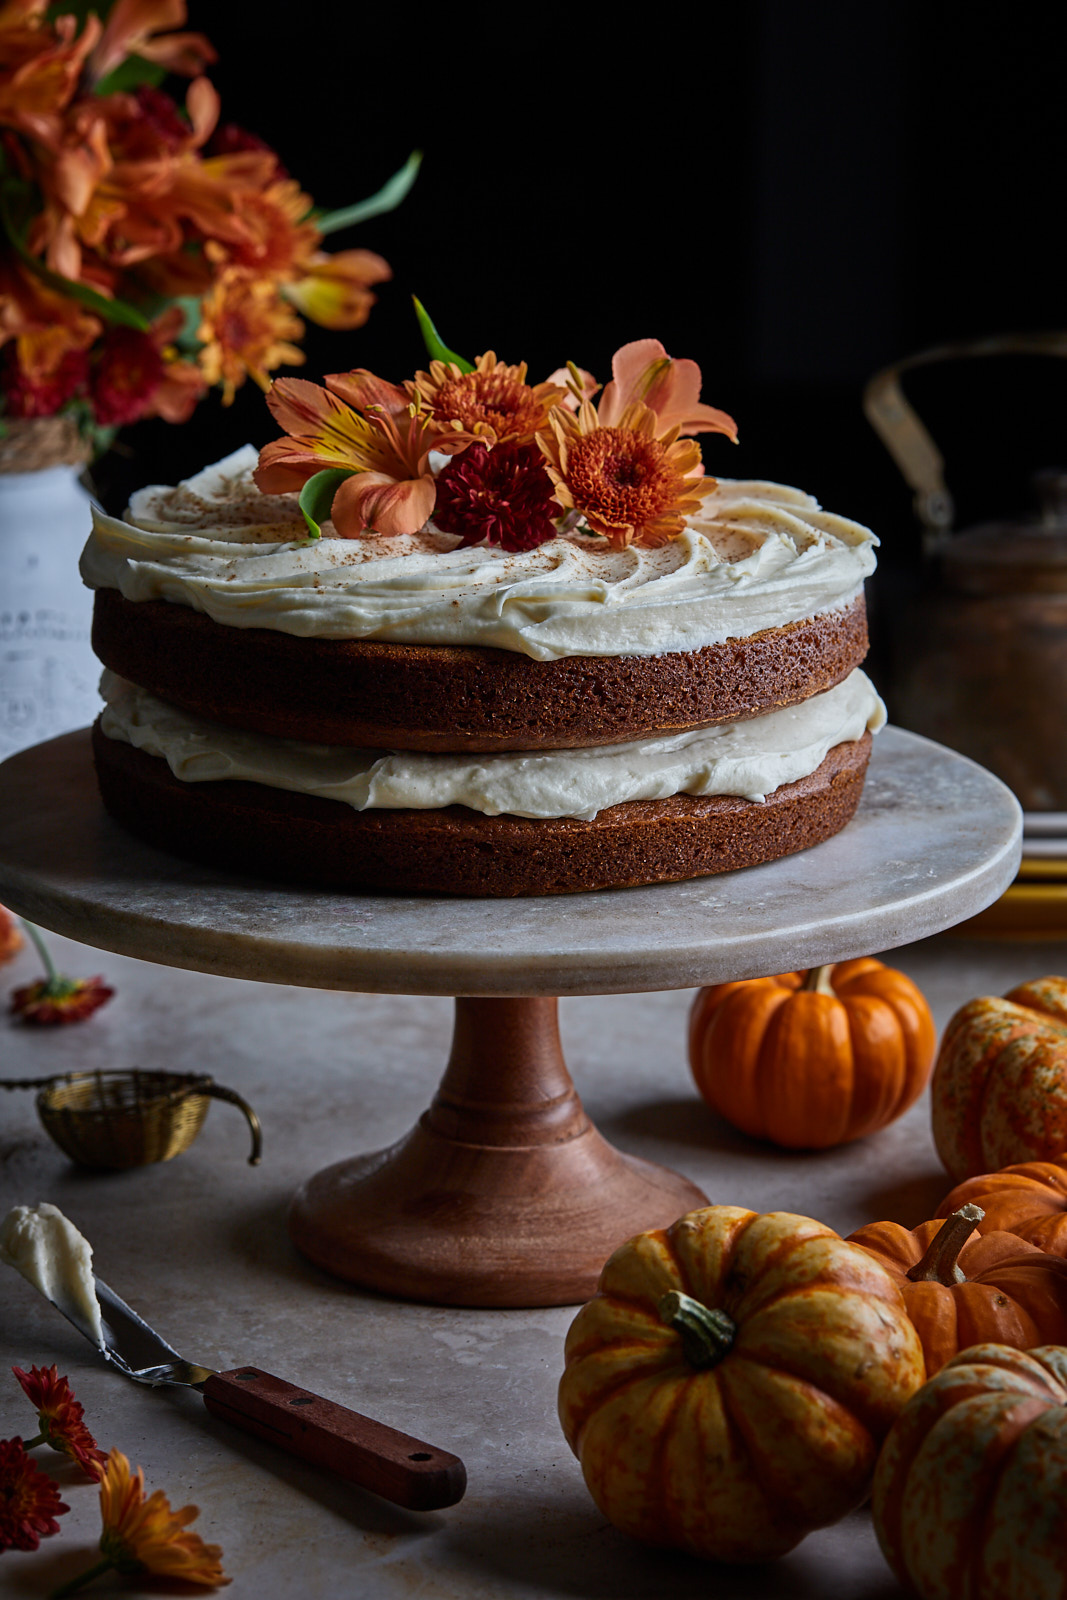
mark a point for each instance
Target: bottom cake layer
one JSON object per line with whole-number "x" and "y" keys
{"x": 455, "y": 851}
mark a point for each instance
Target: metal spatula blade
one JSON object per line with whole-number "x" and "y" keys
{"x": 394, "y": 1465}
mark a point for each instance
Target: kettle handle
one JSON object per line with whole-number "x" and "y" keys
{"x": 905, "y": 437}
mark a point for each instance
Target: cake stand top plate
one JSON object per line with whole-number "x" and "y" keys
{"x": 936, "y": 839}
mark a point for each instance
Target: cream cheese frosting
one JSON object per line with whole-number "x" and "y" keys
{"x": 758, "y": 555}
{"x": 46, "y": 1247}
{"x": 749, "y": 759}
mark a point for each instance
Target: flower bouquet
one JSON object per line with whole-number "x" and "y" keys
{"x": 146, "y": 252}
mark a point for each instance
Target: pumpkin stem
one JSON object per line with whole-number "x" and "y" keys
{"x": 818, "y": 978}
{"x": 939, "y": 1264}
{"x": 706, "y": 1332}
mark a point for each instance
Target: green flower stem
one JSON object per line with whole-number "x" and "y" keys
{"x": 74, "y": 1584}
{"x": 31, "y": 1444}
{"x": 42, "y": 950}
{"x": 706, "y": 1332}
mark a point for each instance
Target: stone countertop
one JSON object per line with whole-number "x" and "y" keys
{"x": 198, "y": 1246}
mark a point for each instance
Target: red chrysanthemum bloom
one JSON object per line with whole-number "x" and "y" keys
{"x": 163, "y": 120}
{"x": 503, "y": 496}
{"x": 29, "y": 1500}
{"x": 126, "y": 375}
{"x": 55, "y": 1000}
{"x": 59, "y": 1417}
{"x": 230, "y": 139}
{"x": 26, "y": 396}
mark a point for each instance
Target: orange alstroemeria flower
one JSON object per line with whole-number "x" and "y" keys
{"x": 334, "y": 290}
{"x": 133, "y": 28}
{"x": 40, "y": 66}
{"x": 644, "y": 374}
{"x": 494, "y": 402}
{"x": 631, "y": 481}
{"x": 124, "y": 178}
{"x": 363, "y": 425}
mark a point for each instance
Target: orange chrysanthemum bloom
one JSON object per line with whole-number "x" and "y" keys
{"x": 494, "y": 402}
{"x": 630, "y": 484}
{"x": 146, "y": 1535}
{"x": 278, "y": 240}
{"x": 60, "y": 1418}
{"x": 246, "y": 328}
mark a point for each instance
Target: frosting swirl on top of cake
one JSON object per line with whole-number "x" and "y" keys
{"x": 758, "y": 555}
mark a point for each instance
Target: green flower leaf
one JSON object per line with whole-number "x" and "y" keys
{"x": 316, "y": 497}
{"x": 129, "y": 75}
{"x": 388, "y": 198}
{"x": 436, "y": 349}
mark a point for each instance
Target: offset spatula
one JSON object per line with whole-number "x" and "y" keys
{"x": 392, "y": 1464}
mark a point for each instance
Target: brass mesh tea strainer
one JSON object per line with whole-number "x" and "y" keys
{"x": 129, "y": 1119}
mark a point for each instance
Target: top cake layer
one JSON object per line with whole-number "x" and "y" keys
{"x": 757, "y": 556}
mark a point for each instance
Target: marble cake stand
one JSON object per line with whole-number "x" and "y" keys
{"x": 504, "y": 1194}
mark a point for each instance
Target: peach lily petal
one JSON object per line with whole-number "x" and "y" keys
{"x": 644, "y": 374}
{"x": 563, "y": 377}
{"x": 362, "y": 389}
{"x": 277, "y": 473}
{"x": 375, "y": 502}
{"x": 334, "y": 290}
{"x": 133, "y": 27}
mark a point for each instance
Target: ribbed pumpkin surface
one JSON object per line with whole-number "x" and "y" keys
{"x": 999, "y": 1091}
{"x": 1013, "y": 1293}
{"x": 970, "y": 1495}
{"x": 808, "y": 1069}
{"x": 1028, "y": 1199}
{"x": 740, "y": 1460}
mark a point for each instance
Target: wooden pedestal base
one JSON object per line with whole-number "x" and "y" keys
{"x": 504, "y": 1194}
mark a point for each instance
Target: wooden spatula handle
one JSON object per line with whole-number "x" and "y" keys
{"x": 392, "y": 1464}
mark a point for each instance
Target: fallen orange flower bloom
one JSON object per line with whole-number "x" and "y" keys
{"x": 146, "y": 1535}
{"x": 60, "y": 1418}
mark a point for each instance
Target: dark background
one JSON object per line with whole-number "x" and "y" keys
{"x": 792, "y": 192}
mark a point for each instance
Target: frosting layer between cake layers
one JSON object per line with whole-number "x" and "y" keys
{"x": 748, "y": 759}
{"x": 757, "y": 556}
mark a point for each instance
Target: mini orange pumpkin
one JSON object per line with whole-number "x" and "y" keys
{"x": 999, "y": 1092}
{"x": 970, "y": 1495}
{"x": 728, "y": 1387}
{"x": 1029, "y": 1200}
{"x": 962, "y": 1288}
{"x": 812, "y": 1060}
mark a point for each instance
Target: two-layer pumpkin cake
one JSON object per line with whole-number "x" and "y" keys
{"x": 472, "y": 636}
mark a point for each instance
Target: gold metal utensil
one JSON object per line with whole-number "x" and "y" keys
{"x": 129, "y": 1119}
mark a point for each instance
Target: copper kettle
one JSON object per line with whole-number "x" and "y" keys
{"x": 982, "y": 659}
